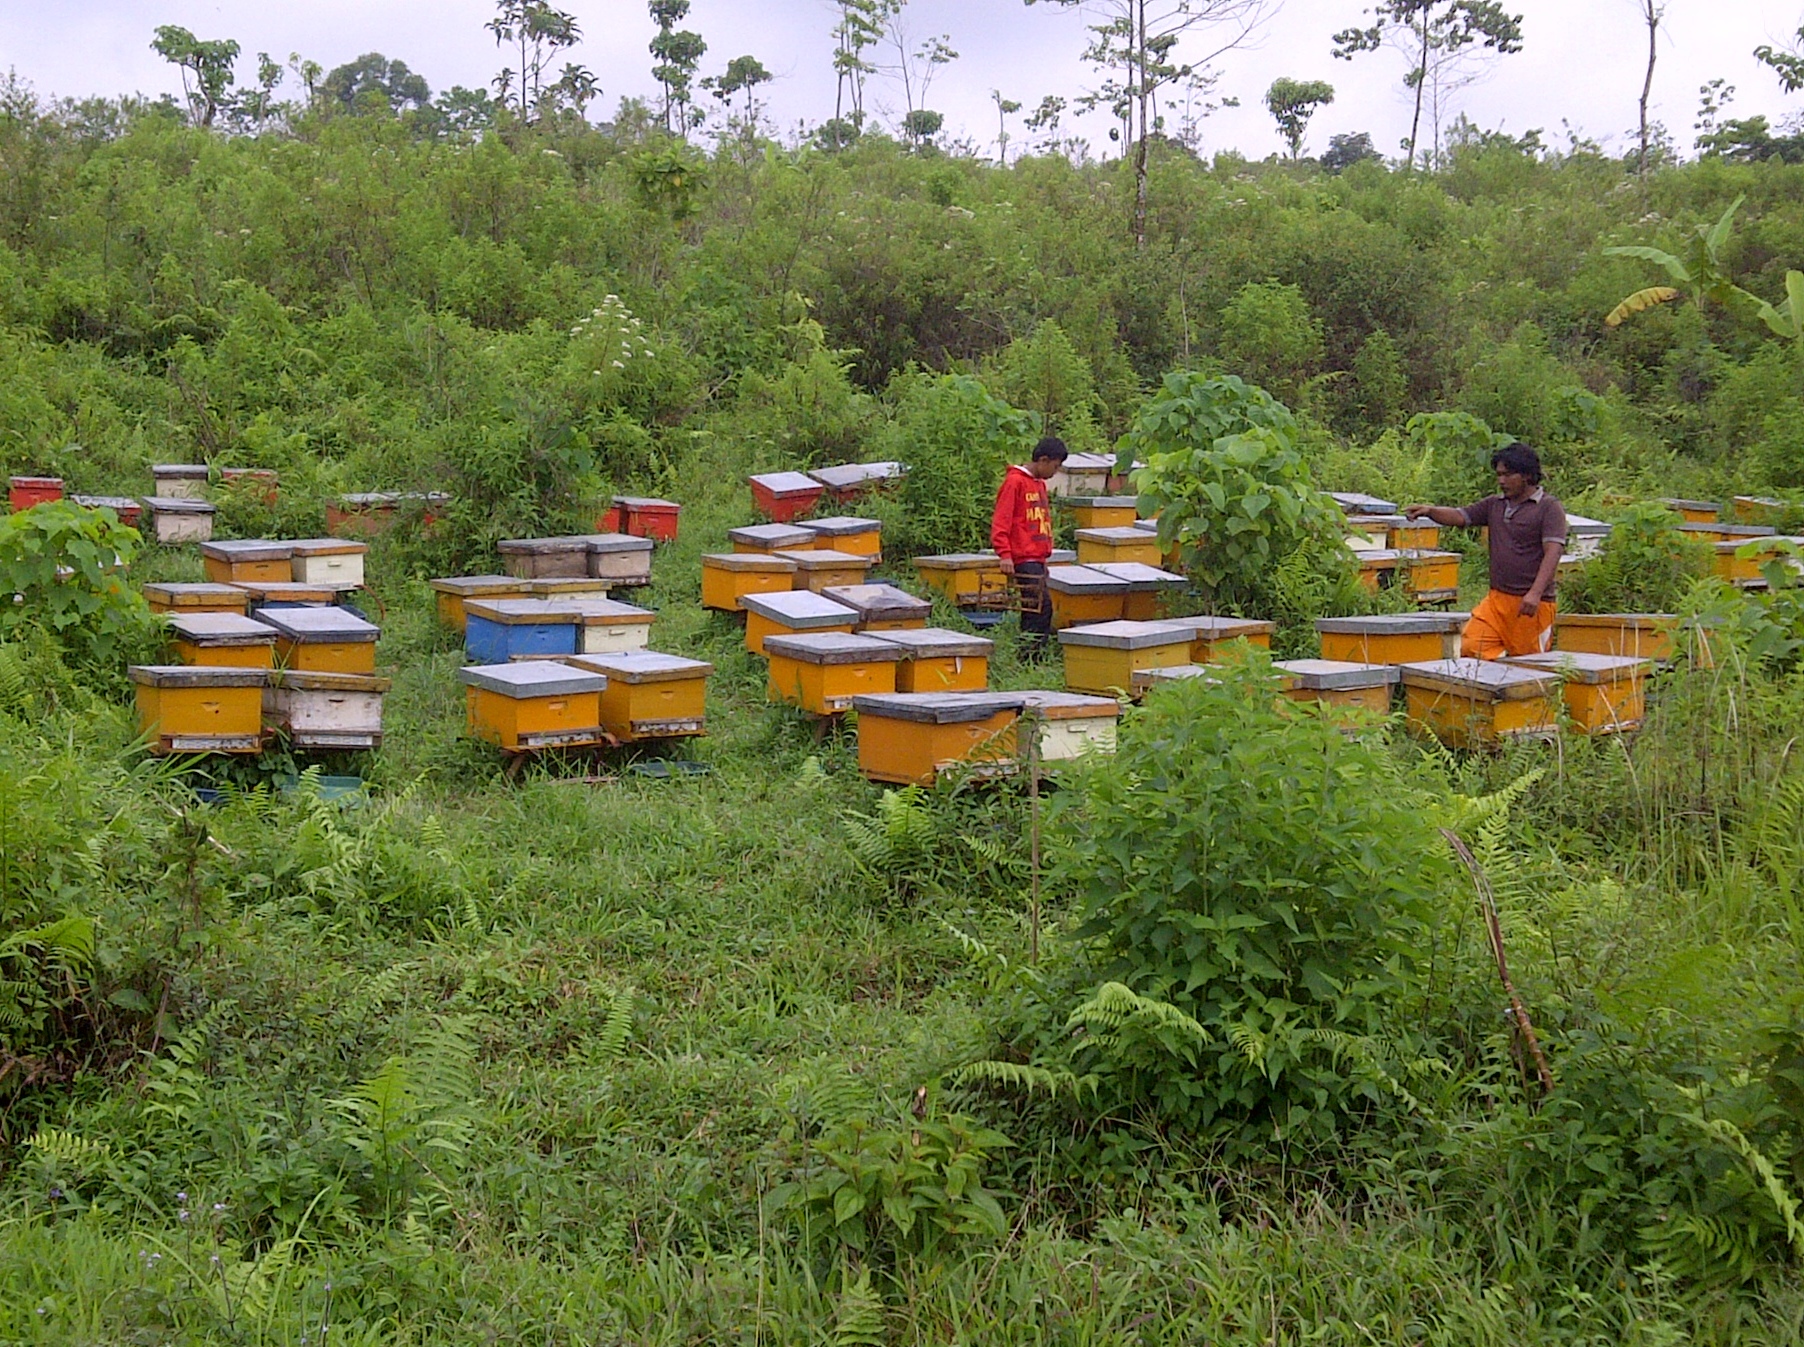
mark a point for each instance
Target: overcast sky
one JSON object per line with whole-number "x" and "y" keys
{"x": 1582, "y": 60}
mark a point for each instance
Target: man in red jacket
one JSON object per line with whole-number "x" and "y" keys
{"x": 1021, "y": 534}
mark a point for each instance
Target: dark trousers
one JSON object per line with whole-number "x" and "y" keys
{"x": 1036, "y": 601}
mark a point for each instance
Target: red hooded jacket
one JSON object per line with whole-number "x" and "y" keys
{"x": 1021, "y": 528}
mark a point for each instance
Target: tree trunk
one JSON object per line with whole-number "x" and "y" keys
{"x": 1137, "y": 43}
{"x": 1421, "y": 79}
{"x": 1647, "y": 85}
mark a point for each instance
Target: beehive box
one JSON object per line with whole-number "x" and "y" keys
{"x": 179, "y": 481}
{"x": 325, "y": 710}
{"x": 619, "y": 557}
{"x": 1082, "y": 475}
{"x": 910, "y": 738}
{"x": 1585, "y": 537}
{"x": 1145, "y": 680}
{"x": 1470, "y": 703}
{"x": 823, "y": 568}
{"x": 606, "y": 626}
{"x": 275, "y": 594}
{"x": 23, "y": 493}
{"x": 129, "y": 511}
{"x": 1127, "y": 543}
{"x": 936, "y": 660}
{"x": 965, "y": 578}
{"x": 1739, "y": 562}
{"x": 800, "y": 611}
{"x": 1144, "y": 584}
{"x": 176, "y": 519}
{"x": 1104, "y": 656}
{"x": 1378, "y": 567}
{"x": 364, "y": 514}
{"x": 1099, "y": 512}
{"x": 530, "y": 558}
{"x": 1358, "y": 503}
{"x": 783, "y": 496}
{"x": 568, "y": 587}
{"x": 322, "y": 640}
{"x": 532, "y": 706}
{"x": 881, "y": 607}
{"x": 1433, "y": 577}
{"x": 1360, "y": 539}
{"x": 847, "y": 533}
{"x": 229, "y": 640}
{"x": 497, "y": 630}
{"x": 194, "y": 709}
{"x": 1212, "y": 638}
{"x": 1694, "y": 511}
{"x": 1068, "y": 725}
{"x": 648, "y": 517}
{"x": 1605, "y": 694}
{"x": 231, "y": 562}
{"x": 1635, "y": 635}
{"x": 848, "y": 481}
{"x": 453, "y": 591}
{"x": 822, "y": 672}
{"x": 1083, "y": 594}
{"x": 1391, "y": 638}
{"x": 328, "y": 561}
{"x": 195, "y": 598}
{"x": 650, "y": 695}
{"x": 1723, "y": 533}
{"x": 1339, "y": 684}
{"x": 1757, "y": 509}
{"x": 769, "y": 538}
{"x": 727, "y": 576}
{"x": 1415, "y": 535}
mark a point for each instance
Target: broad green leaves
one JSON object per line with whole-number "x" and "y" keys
{"x": 67, "y": 564}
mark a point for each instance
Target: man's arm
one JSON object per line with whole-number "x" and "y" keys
{"x": 1447, "y": 516}
{"x": 1550, "y": 563}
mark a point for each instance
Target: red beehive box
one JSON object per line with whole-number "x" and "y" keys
{"x": 784, "y": 497}
{"x": 26, "y": 492}
{"x": 128, "y": 510}
{"x": 648, "y": 517}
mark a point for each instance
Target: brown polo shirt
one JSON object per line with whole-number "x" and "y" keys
{"x": 1517, "y": 532}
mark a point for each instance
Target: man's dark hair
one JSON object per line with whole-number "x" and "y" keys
{"x": 1519, "y": 457}
{"x": 1051, "y": 447}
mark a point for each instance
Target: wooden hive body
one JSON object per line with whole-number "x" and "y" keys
{"x": 650, "y": 695}
{"x": 1636, "y": 635}
{"x": 823, "y": 568}
{"x": 129, "y": 511}
{"x": 1100, "y": 512}
{"x": 1145, "y": 680}
{"x": 1378, "y": 567}
{"x": 1071, "y": 724}
{"x": 1126, "y": 543}
{"x": 503, "y": 629}
{"x": 325, "y": 710}
{"x": 770, "y": 538}
{"x": 1391, "y": 638}
{"x": 821, "y": 672}
{"x": 1757, "y": 509}
{"x": 1469, "y": 703}
{"x": 188, "y": 709}
{"x": 768, "y": 615}
{"x": 330, "y": 561}
{"x": 910, "y": 738}
{"x": 935, "y": 660}
{"x": 1339, "y": 684}
{"x": 729, "y": 576}
{"x": 963, "y": 577}
{"x": 848, "y": 481}
{"x": 1082, "y": 475}
{"x": 1433, "y": 576}
{"x": 606, "y": 626}
{"x": 1358, "y": 503}
{"x": 568, "y": 587}
{"x": 648, "y": 517}
{"x": 203, "y": 597}
{"x": 263, "y": 594}
{"x": 234, "y": 561}
{"x": 847, "y": 533}
{"x": 179, "y": 519}
{"x": 783, "y": 496}
{"x": 452, "y": 591}
{"x": 532, "y": 558}
{"x": 179, "y": 481}
{"x": 25, "y": 493}
{"x": 322, "y": 640}
{"x": 533, "y": 706}
{"x": 1103, "y": 657}
{"x": 619, "y": 557}
{"x": 222, "y": 640}
{"x": 1694, "y": 511}
{"x": 1211, "y": 638}
{"x": 1604, "y": 694}
{"x": 1083, "y": 594}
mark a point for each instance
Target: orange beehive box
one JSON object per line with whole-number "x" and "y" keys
{"x": 1100, "y": 512}
{"x": 783, "y": 496}
{"x": 1470, "y": 703}
{"x": 1377, "y": 566}
{"x": 650, "y": 695}
{"x": 910, "y": 738}
{"x": 1104, "y": 656}
{"x": 230, "y": 562}
{"x": 1067, "y": 725}
{"x": 325, "y": 710}
{"x": 200, "y": 709}
{"x": 322, "y": 640}
{"x": 822, "y": 671}
{"x": 847, "y": 533}
{"x": 1084, "y": 594}
{"x": 453, "y": 590}
{"x": 1391, "y": 638}
{"x": 1128, "y": 543}
{"x": 881, "y": 607}
{"x": 1635, "y": 635}
{"x": 1694, "y": 511}
{"x": 195, "y": 598}
{"x": 1604, "y": 693}
{"x": 229, "y": 640}
{"x": 1338, "y": 684}
{"x": 936, "y": 660}
{"x": 770, "y": 538}
{"x": 727, "y": 576}
{"x": 533, "y": 705}
{"x": 326, "y": 561}
{"x": 823, "y": 568}
{"x": 1213, "y": 637}
{"x": 1742, "y": 561}
{"x": 965, "y": 578}
{"x": 1757, "y": 509}
{"x": 1433, "y": 576}
{"x": 789, "y": 614}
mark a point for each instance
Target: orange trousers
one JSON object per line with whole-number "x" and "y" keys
{"x": 1497, "y": 628}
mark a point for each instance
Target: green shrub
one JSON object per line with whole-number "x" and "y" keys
{"x": 957, "y": 439}
{"x": 67, "y": 563}
{"x": 1044, "y": 374}
{"x": 1646, "y": 565}
{"x": 1268, "y": 333}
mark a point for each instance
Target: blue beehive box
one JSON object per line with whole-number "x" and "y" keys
{"x": 499, "y": 630}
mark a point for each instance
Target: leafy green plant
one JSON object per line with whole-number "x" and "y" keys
{"x": 1268, "y": 332}
{"x": 1646, "y": 565}
{"x": 956, "y": 439}
{"x": 68, "y": 565}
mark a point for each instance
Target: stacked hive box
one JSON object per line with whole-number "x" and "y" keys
{"x": 935, "y": 660}
{"x": 728, "y": 577}
{"x": 1604, "y": 693}
{"x": 1103, "y": 657}
{"x": 328, "y": 561}
{"x": 822, "y": 672}
{"x": 1067, "y": 725}
{"x": 1213, "y": 637}
{"x": 824, "y": 568}
{"x": 1084, "y": 594}
{"x": 910, "y": 738}
{"x": 847, "y": 533}
{"x": 967, "y": 579}
{"x": 179, "y": 481}
{"x": 1100, "y": 512}
{"x": 25, "y": 493}
{"x": 1433, "y": 577}
{"x": 784, "y": 496}
{"x": 179, "y": 519}
{"x": 1469, "y": 703}
{"x": 453, "y": 592}
{"x": 234, "y": 562}
{"x": 1390, "y": 638}
{"x": 222, "y": 640}
{"x": 320, "y": 710}
{"x": 797, "y": 612}
{"x": 1339, "y": 685}
{"x": 196, "y": 598}
{"x": 322, "y": 640}
{"x": 769, "y": 538}
{"x": 881, "y": 607}
{"x": 1082, "y": 475}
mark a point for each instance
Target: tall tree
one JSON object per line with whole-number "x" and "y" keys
{"x": 860, "y": 28}
{"x": 377, "y": 76}
{"x": 1292, "y": 103}
{"x": 916, "y": 65}
{"x": 1045, "y": 120}
{"x": 537, "y": 32}
{"x": 1438, "y": 37}
{"x": 1651, "y": 12}
{"x": 679, "y": 52}
{"x": 206, "y": 68}
{"x": 1004, "y": 107}
{"x": 743, "y": 75}
{"x": 1787, "y": 62}
{"x": 1137, "y": 45}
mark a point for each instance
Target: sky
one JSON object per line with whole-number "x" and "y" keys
{"x": 1582, "y": 63}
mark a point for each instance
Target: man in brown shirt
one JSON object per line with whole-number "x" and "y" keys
{"x": 1528, "y": 533}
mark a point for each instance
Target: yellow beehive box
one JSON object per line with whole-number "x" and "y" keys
{"x": 1414, "y": 535}
{"x": 825, "y": 567}
{"x": 847, "y": 533}
{"x": 1743, "y": 561}
{"x": 327, "y": 561}
{"x": 1100, "y": 512}
{"x": 791, "y": 614}
{"x": 936, "y": 660}
{"x": 770, "y": 538}
{"x": 910, "y": 738}
{"x": 1377, "y": 566}
{"x": 1635, "y": 635}
{"x": 1083, "y": 594}
{"x": 821, "y": 672}
{"x": 650, "y": 695}
{"x": 1757, "y": 509}
{"x": 881, "y": 607}
{"x": 1470, "y": 703}
{"x": 325, "y": 710}
{"x": 176, "y": 519}
{"x": 1433, "y": 577}
{"x": 233, "y": 561}
{"x": 1213, "y": 637}
{"x": 1694, "y": 511}
{"x": 966, "y": 578}
{"x": 199, "y": 709}
{"x": 568, "y": 587}
{"x": 623, "y": 558}
{"x": 1605, "y": 694}
{"x": 1391, "y": 638}
{"x": 1376, "y": 528}
{"x": 728, "y": 576}
{"x": 263, "y": 593}
{"x": 533, "y": 558}
{"x": 1067, "y": 725}
{"x": 533, "y": 705}
{"x": 1727, "y": 533}
{"x": 451, "y": 591}
{"x": 1127, "y": 543}
{"x": 1104, "y": 656}
{"x": 229, "y": 640}
{"x": 1338, "y": 684}
{"x": 322, "y": 640}
{"x": 195, "y": 598}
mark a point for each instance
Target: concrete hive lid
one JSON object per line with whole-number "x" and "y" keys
{"x": 306, "y": 680}
{"x": 513, "y": 612}
{"x": 319, "y": 624}
{"x": 328, "y": 547}
{"x": 1089, "y": 462}
{"x": 1502, "y": 682}
{"x": 1051, "y": 705}
{"x": 180, "y": 593}
{"x": 247, "y": 549}
{"x": 113, "y": 503}
{"x": 856, "y": 474}
{"x": 785, "y": 483}
{"x": 1426, "y": 554}
{"x": 1125, "y": 635}
{"x": 1357, "y": 502}
{"x": 180, "y": 470}
{"x": 645, "y": 503}
{"x": 567, "y": 586}
{"x": 879, "y": 603}
{"x": 1084, "y": 580}
{"x": 1579, "y": 667}
{"x": 322, "y": 593}
{"x": 540, "y": 547}
{"x": 206, "y": 629}
{"x": 1392, "y": 624}
{"x": 1385, "y": 521}
{"x": 359, "y": 498}
{"x": 938, "y": 643}
{"x": 1102, "y": 502}
{"x": 465, "y": 586}
{"x": 768, "y": 562}
{"x": 839, "y": 525}
{"x": 176, "y": 505}
{"x": 1177, "y": 673}
{"x": 823, "y": 559}
{"x": 1578, "y": 523}
{"x": 1145, "y": 526}
{"x": 1208, "y": 627}
{"x": 1138, "y": 576}
{"x": 1745, "y": 532}
{"x": 937, "y": 708}
{"x": 1114, "y": 533}
{"x": 642, "y": 666}
{"x": 833, "y": 647}
{"x": 539, "y": 678}
{"x": 1673, "y": 502}
{"x": 799, "y": 608}
{"x": 771, "y": 535}
{"x": 196, "y": 676}
{"x": 958, "y": 561}
{"x": 1334, "y": 675}
{"x": 604, "y": 612}
{"x": 1062, "y": 556}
